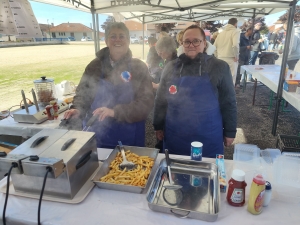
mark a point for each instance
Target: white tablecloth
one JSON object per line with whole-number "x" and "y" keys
{"x": 113, "y": 207}
{"x": 9, "y": 127}
{"x": 269, "y": 76}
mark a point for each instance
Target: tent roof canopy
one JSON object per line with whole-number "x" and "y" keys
{"x": 159, "y": 11}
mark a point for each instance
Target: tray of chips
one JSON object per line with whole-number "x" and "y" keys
{"x": 112, "y": 177}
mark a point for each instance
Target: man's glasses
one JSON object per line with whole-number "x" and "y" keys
{"x": 195, "y": 42}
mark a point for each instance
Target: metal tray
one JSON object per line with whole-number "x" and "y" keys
{"x": 141, "y": 151}
{"x": 199, "y": 197}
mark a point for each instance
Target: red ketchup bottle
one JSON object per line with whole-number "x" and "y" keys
{"x": 236, "y": 189}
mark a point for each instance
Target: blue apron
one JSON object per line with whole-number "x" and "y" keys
{"x": 193, "y": 115}
{"x": 110, "y": 131}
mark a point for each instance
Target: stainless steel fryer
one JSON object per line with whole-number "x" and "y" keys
{"x": 72, "y": 155}
{"x": 197, "y": 200}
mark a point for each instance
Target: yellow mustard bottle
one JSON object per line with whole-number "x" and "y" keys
{"x": 256, "y": 196}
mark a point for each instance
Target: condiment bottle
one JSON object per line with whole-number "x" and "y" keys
{"x": 286, "y": 71}
{"x": 236, "y": 189}
{"x": 55, "y": 109}
{"x": 50, "y": 112}
{"x": 256, "y": 196}
{"x": 268, "y": 194}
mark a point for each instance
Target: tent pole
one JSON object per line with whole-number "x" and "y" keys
{"x": 283, "y": 63}
{"x": 143, "y": 37}
{"x": 97, "y": 30}
{"x": 94, "y": 30}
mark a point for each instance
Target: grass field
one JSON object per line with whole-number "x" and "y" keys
{"x": 20, "y": 66}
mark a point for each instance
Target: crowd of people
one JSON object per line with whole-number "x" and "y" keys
{"x": 187, "y": 82}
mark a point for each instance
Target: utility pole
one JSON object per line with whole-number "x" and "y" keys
{"x": 48, "y": 28}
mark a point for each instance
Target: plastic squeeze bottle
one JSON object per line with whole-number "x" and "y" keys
{"x": 236, "y": 190}
{"x": 256, "y": 196}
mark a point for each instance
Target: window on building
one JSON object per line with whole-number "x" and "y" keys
{"x": 72, "y": 34}
{"x": 84, "y": 34}
{"x": 53, "y": 35}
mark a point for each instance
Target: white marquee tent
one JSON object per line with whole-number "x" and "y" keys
{"x": 164, "y": 11}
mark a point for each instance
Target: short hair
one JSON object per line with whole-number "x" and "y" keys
{"x": 116, "y": 25}
{"x": 248, "y": 28}
{"x": 179, "y": 36}
{"x": 152, "y": 40}
{"x": 195, "y": 27}
{"x": 163, "y": 29}
{"x": 166, "y": 44}
{"x": 232, "y": 21}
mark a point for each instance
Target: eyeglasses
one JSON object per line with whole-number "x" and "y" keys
{"x": 115, "y": 37}
{"x": 195, "y": 42}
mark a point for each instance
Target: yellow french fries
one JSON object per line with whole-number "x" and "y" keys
{"x": 135, "y": 177}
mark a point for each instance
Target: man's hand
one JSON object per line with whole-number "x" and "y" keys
{"x": 235, "y": 59}
{"x": 260, "y": 40}
{"x": 104, "y": 112}
{"x": 248, "y": 47}
{"x": 74, "y": 113}
{"x": 228, "y": 141}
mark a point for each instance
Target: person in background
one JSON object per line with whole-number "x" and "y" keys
{"x": 294, "y": 47}
{"x": 255, "y": 41}
{"x": 245, "y": 48}
{"x": 195, "y": 100}
{"x": 117, "y": 90}
{"x": 154, "y": 61}
{"x": 214, "y": 37}
{"x": 163, "y": 34}
{"x": 227, "y": 46}
{"x": 166, "y": 49}
{"x": 272, "y": 40}
{"x": 179, "y": 40}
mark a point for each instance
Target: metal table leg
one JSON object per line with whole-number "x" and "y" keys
{"x": 254, "y": 92}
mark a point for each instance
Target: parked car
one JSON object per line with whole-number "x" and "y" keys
{"x": 134, "y": 40}
{"x": 71, "y": 39}
{"x": 145, "y": 40}
{"x": 86, "y": 39}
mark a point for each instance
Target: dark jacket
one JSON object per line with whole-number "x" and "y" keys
{"x": 244, "y": 52}
{"x": 135, "y": 111}
{"x": 221, "y": 80}
{"x": 254, "y": 40}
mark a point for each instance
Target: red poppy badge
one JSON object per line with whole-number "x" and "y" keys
{"x": 173, "y": 89}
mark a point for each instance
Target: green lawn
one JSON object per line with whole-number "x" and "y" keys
{"x": 20, "y": 66}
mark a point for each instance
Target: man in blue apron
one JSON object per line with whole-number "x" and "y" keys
{"x": 195, "y": 100}
{"x": 117, "y": 89}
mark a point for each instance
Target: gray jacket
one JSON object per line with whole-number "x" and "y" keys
{"x": 221, "y": 80}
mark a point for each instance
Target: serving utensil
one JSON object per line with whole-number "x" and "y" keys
{"x": 125, "y": 164}
{"x": 170, "y": 186}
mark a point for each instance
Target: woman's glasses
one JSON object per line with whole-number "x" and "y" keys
{"x": 115, "y": 37}
{"x": 195, "y": 42}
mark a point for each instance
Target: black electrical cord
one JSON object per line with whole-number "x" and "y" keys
{"x": 13, "y": 165}
{"x": 49, "y": 169}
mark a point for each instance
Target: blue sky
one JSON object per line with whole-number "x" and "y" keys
{"x": 58, "y": 15}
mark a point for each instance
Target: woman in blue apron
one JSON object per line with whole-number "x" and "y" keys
{"x": 117, "y": 90}
{"x": 195, "y": 100}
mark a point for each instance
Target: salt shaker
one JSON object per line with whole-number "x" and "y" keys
{"x": 268, "y": 194}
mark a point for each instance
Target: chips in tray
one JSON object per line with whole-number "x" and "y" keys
{"x": 136, "y": 177}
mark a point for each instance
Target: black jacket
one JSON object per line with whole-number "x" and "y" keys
{"x": 254, "y": 40}
{"x": 244, "y": 52}
{"x": 221, "y": 79}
